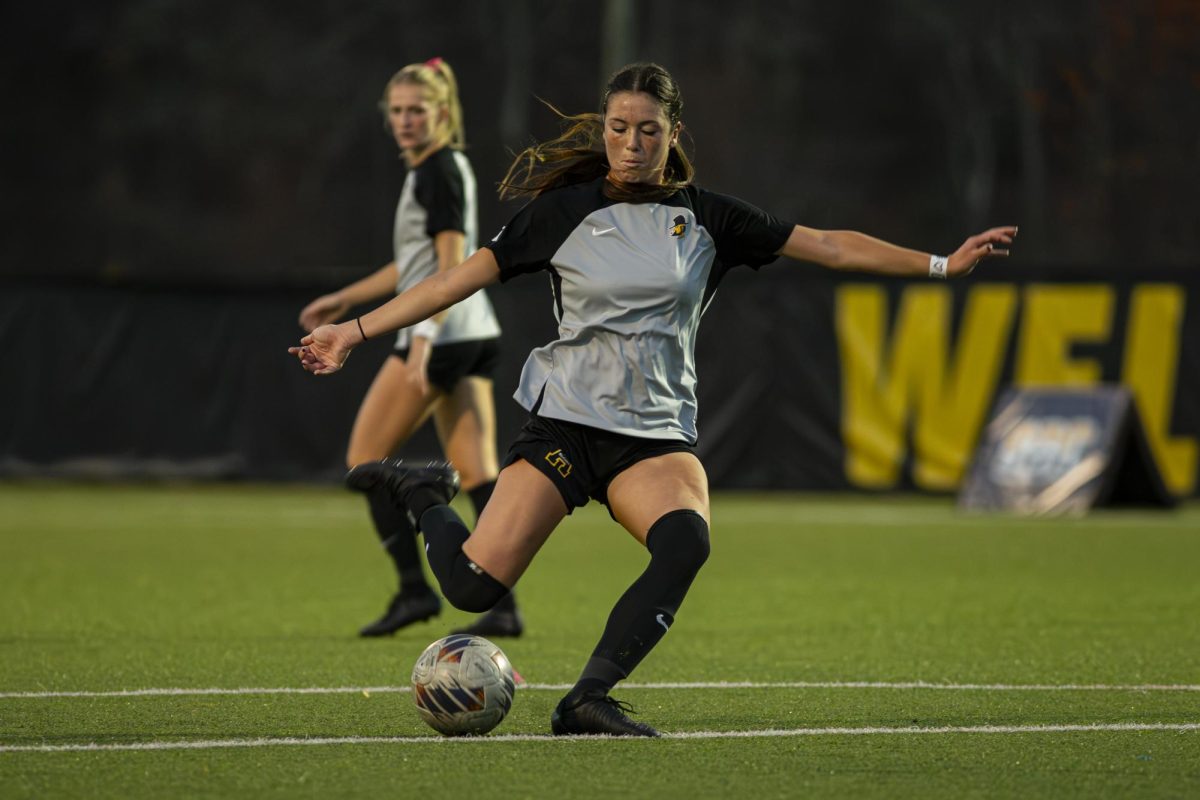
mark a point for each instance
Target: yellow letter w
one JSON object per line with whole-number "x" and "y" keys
{"x": 915, "y": 386}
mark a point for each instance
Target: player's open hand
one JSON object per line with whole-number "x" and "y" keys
{"x": 324, "y": 351}
{"x": 989, "y": 244}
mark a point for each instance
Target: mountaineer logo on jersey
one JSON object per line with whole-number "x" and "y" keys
{"x": 680, "y": 226}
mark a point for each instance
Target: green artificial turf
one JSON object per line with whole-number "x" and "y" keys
{"x": 108, "y": 589}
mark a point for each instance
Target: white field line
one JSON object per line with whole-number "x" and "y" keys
{"x": 561, "y": 687}
{"x": 213, "y": 744}
{"x": 900, "y": 515}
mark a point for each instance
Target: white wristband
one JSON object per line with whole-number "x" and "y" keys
{"x": 937, "y": 267}
{"x": 426, "y": 329}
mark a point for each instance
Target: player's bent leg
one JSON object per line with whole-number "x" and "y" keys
{"x": 476, "y": 570}
{"x": 473, "y": 574}
{"x": 673, "y": 487}
{"x": 466, "y": 426}
{"x": 504, "y": 618}
{"x": 648, "y": 489}
{"x": 523, "y": 511}
{"x": 678, "y": 544}
{"x": 464, "y": 583}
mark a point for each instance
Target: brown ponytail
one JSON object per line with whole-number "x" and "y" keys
{"x": 577, "y": 155}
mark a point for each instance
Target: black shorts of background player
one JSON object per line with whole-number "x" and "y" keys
{"x": 635, "y": 251}
{"x": 442, "y": 367}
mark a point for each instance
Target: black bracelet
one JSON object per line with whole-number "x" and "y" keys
{"x": 360, "y": 330}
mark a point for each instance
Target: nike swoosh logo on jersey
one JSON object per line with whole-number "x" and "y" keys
{"x": 601, "y": 232}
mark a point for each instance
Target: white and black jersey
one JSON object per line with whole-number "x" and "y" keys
{"x": 630, "y": 281}
{"x": 439, "y": 195}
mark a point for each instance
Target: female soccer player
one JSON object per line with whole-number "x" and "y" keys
{"x": 635, "y": 251}
{"x": 443, "y": 364}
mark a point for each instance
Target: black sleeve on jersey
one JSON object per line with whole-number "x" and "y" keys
{"x": 534, "y": 234}
{"x": 441, "y": 193}
{"x": 743, "y": 233}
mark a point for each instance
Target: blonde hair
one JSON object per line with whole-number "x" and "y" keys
{"x": 437, "y": 79}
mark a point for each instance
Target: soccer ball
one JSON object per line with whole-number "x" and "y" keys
{"x": 463, "y": 685}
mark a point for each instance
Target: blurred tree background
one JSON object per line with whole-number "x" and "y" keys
{"x": 180, "y": 142}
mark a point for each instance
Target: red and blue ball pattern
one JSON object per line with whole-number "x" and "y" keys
{"x": 463, "y": 685}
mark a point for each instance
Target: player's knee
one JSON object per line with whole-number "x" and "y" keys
{"x": 680, "y": 538}
{"x": 472, "y": 589}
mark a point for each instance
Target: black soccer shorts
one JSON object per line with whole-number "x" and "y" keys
{"x": 582, "y": 461}
{"x": 450, "y": 363}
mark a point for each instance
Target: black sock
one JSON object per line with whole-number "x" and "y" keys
{"x": 464, "y": 583}
{"x": 479, "y": 498}
{"x": 678, "y": 545}
{"x": 399, "y": 541}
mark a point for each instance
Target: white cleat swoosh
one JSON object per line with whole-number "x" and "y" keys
{"x": 659, "y": 619}
{"x": 602, "y": 231}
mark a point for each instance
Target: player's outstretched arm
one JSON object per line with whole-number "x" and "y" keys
{"x": 325, "y": 350}
{"x": 853, "y": 251}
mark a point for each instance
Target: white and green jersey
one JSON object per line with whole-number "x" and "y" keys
{"x": 630, "y": 281}
{"x": 439, "y": 195}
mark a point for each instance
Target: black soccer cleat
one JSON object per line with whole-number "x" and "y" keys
{"x": 594, "y": 712}
{"x": 403, "y": 611}
{"x": 497, "y": 622}
{"x": 436, "y": 481}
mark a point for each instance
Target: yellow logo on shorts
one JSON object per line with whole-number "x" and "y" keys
{"x": 555, "y": 459}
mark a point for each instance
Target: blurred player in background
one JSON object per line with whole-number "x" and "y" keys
{"x": 441, "y": 366}
{"x": 635, "y": 252}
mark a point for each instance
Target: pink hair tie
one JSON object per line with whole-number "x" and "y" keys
{"x": 434, "y": 62}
